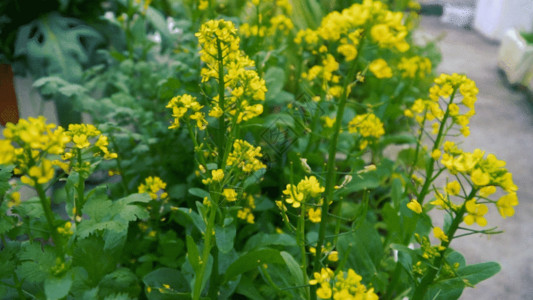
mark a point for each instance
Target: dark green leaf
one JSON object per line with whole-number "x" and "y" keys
{"x": 179, "y": 289}
{"x": 193, "y": 254}
{"x": 252, "y": 260}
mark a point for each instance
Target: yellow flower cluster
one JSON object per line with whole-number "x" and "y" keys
{"x": 66, "y": 229}
{"x": 415, "y": 66}
{"x": 246, "y": 213}
{"x": 445, "y": 87}
{"x": 229, "y": 66}
{"x": 380, "y": 68}
{"x": 27, "y": 144}
{"x": 82, "y": 134}
{"x": 274, "y": 12}
{"x": 245, "y": 157}
{"x": 486, "y": 174}
{"x": 186, "y": 106}
{"x": 307, "y": 187}
{"x": 368, "y": 125}
{"x": 429, "y": 251}
{"x": 387, "y": 29}
{"x": 153, "y": 186}
{"x": 344, "y": 285}
{"x": 325, "y": 74}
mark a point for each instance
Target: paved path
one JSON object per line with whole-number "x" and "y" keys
{"x": 503, "y": 125}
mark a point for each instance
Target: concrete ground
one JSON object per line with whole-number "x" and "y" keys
{"x": 503, "y": 125}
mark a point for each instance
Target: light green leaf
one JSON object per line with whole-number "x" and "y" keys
{"x": 198, "y": 192}
{"x": 57, "y": 288}
{"x": 225, "y": 235}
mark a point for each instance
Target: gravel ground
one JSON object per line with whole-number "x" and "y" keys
{"x": 503, "y": 126}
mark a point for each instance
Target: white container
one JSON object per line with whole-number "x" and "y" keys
{"x": 494, "y": 17}
{"x": 515, "y": 58}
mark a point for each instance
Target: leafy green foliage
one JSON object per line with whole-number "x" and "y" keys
{"x": 111, "y": 217}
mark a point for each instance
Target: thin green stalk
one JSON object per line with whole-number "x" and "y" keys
{"x": 428, "y": 279}
{"x": 124, "y": 181}
{"x": 330, "y": 173}
{"x": 436, "y": 145}
{"x": 301, "y": 243}
{"x": 197, "y": 291}
{"x": 45, "y": 203}
{"x": 81, "y": 187}
{"x": 213, "y": 281}
{"x": 221, "y": 88}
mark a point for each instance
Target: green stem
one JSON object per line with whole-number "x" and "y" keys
{"x": 436, "y": 145}
{"x": 45, "y": 203}
{"x": 197, "y": 291}
{"x": 221, "y": 88}
{"x": 428, "y": 279}
{"x": 330, "y": 173}
{"x": 301, "y": 243}
{"x": 81, "y": 187}
{"x": 124, "y": 181}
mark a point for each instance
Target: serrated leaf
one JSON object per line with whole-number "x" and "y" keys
{"x": 53, "y": 44}
{"x": 89, "y": 254}
{"x": 36, "y": 263}
{"x": 122, "y": 280}
{"x": 111, "y": 216}
{"x": 5, "y": 175}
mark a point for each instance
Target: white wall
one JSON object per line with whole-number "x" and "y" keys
{"x": 494, "y": 17}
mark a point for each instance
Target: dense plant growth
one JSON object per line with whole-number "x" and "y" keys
{"x": 262, "y": 150}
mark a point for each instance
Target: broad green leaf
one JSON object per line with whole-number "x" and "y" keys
{"x": 249, "y": 289}
{"x": 255, "y": 178}
{"x": 193, "y": 254}
{"x": 252, "y": 260}
{"x": 472, "y": 274}
{"x": 274, "y": 80}
{"x": 57, "y": 288}
{"x": 191, "y": 216}
{"x": 263, "y": 239}
{"x": 363, "y": 248}
{"x": 179, "y": 289}
{"x": 294, "y": 268}
{"x": 198, "y": 192}
{"x": 225, "y": 235}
